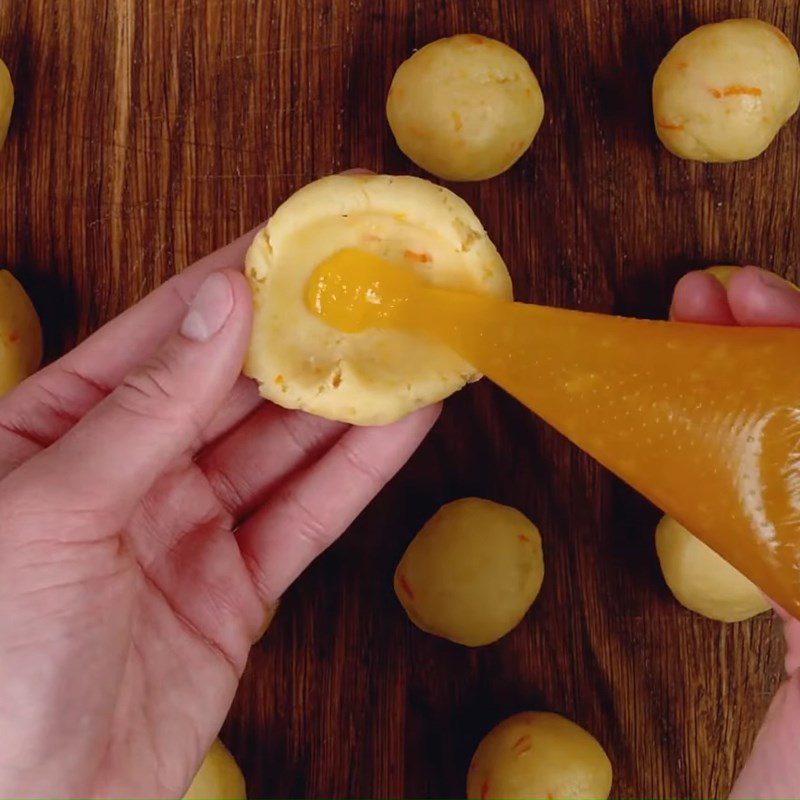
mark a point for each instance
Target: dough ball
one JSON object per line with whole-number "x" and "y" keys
{"x": 465, "y": 108}
{"x": 703, "y": 581}
{"x": 472, "y": 572}
{"x": 375, "y": 376}
{"x": 724, "y": 91}
{"x": 723, "y": 273}
{"x": 20, "y": 334}
{"x": 6, "y": 101}
{"x": 219, "y": 777}
{"x": 536, "y": 755}
{"x": 269, "y": 616}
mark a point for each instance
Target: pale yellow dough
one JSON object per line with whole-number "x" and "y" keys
{"x": 723, "y": 273}
{"x": 6, "y": 101}
{"x": 536, "y": 755}
{"x": 20, "y": 334}
{"x": 376, "y": 376}
{"x": 465, "y": 108}
{"x": 219, "y": 777}
{"x": 724, "y": 90}
{"x": 701, "y": 580}
{"x": 472, "y": 572}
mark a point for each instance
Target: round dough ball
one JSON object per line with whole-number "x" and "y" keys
{"x": 20, "y": 334}
{"x": 465, "y": 108}
{"x": 723, "y": 273}
{"x": 375, "y": 376}
{"x": 6, "y": 101}
{"x": 219, "y": 777}
{"x": 472, "y": 572}
{"x": 724, "y": 90}
{"x": 535, "y": 755}
{"x": 703, "y": 581}
{"x": 269, "y": 616}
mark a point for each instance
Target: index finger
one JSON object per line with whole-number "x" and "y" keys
{"x": 700, "y": 297}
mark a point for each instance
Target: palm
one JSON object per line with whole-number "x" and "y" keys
{"x": 187, "y": 645}
{"x": 125, "y": 624}
{"x": 173, "y": 606}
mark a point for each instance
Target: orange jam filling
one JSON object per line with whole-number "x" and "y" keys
{"x": 703, "y": 420}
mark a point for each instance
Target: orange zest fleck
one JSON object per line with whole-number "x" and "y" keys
{"x": 405, "y": 586}
{"x": 522, "y": 537}
{"x": 753, "y": 91}
{"x": 13, "y": 336}
{"x": 484, "y": 790}
{"x": 734, "y": 90}
{"x": 522, "y": 745}
{"x": 420, "y": 258}
{"x": 475, "y": 39}
{"x": 457, "y": 122}
{"x": 682, "y": 64}
{"x": 668, "y": 126}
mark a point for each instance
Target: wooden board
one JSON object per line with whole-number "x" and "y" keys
{"x": 149, "y": 132}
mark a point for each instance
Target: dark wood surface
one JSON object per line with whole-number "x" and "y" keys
{"x": 149, "y": 132}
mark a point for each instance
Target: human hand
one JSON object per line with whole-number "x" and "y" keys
{"x": 154, "y": 509}
{"x": 757, "y": 298}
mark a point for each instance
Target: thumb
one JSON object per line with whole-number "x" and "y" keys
{"x": 112, "y": 456}
{"x": 758, "y": 297}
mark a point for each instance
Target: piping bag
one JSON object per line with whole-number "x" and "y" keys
{"x": 702, "y": 420}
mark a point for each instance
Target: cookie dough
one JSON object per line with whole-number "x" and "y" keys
{"x": 724, "y": 90}
{"x": 465, "y": 108}
{"x": 6, "y": 101}
{"x": 20, "y": 334}
{"x": 375, "y": 376}
{"x": 723, "y": 273}
{"x": 703, "y": 581}
{"x": 472, "y": 572}
{"x": 219, "y": 777}
{"x": 536, "y": 755}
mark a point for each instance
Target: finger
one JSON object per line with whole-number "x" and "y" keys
{"x": 109, "y": 459}
{"x": 49, "y": 403}
{"x": 791, "y": 630}
{"x": 317, "y": 505}
{"x": 247, "y": 464}
{"x": 773, "y": 766}
{"x": 699, "y": 297}
{"x": 126, "y": 341}
{"x": 242, "y": 401}
{"x": 759, "y": 298}
{"x": 792, "y": 633}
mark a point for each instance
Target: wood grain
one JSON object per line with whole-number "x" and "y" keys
{"x": 148, "y": 133}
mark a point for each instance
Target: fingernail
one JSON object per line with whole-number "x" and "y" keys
{"x": 775, "y": 281}
{"x": 210, "y": 309}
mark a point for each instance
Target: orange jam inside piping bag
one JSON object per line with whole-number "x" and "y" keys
{"x": 703, "y": 420}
